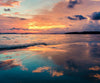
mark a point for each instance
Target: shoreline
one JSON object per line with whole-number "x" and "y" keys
{"x": 84, "y": 32}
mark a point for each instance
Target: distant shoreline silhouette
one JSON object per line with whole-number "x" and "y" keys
{"x": 83, "y": 32}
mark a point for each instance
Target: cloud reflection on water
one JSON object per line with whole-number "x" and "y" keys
{"x": 73, "y": 55}
{"x": 48, "y": 69}
{"x": 8, "y": 64}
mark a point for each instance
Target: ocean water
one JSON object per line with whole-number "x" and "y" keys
{"x": 49, "y": 58}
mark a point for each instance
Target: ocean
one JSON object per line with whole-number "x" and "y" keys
{"x": 49, "y": 58}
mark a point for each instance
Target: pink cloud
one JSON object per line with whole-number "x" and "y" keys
{"x": 6, "y": 14}
{"x": 16, "y": 13}
{"x": 9, "y": 3}
{"x": 41, "y": 69}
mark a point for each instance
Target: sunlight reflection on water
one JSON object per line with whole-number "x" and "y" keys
{"x": 65, "y": 58}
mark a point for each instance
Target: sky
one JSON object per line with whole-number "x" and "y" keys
{"x": 49, "y": 16}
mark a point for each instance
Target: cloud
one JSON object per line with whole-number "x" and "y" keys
{"x": 15, "y": 29}
{"x": 6, "y": 14}
{"x": 95, "y": 0}
{"x": 60, "y": 18}
{"x": 16, "y": 13}
{"x": 52, "y": 72}
{"x": 91, "y": 26}
{"x": 7, "y": 9}
{"x": 41, "y": 69}
{"x": 77, "y": 17}
{"x": 97, "y": 76}
{"x": 55, "y": 73}
{"x": 96, "y": 68}
{"x": 56, "y": 30}
{"x": 17, "y": 18}
{"x": 60, "y": 15}
{"x": 95, "y": 16}
{"x": 17, "y": 25}
{"x": 23, "y": 19}
{"x": 19, "y": 29}
{"x": 72, "y": 3}
{"x": 80, "y": 17}
{"x": 8, "y": 64}
{"x": 71, "y": 18}
{"x": 8, "y": 22}
{"x": 9, "y": 3}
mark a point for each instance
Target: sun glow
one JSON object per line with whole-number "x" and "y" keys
{"x": 34, "y": 26}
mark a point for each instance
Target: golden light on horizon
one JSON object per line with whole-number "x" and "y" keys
{"x": 33, "y": 25}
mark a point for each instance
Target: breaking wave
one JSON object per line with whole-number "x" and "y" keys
{"x": 9, "y": 47}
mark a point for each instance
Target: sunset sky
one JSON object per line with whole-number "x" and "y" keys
{"x": 49, "y": 16}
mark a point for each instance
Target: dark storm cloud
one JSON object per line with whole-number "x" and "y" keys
{"x": 7, "y": 9}
{"x": 76, "y": 17}
{"x": 95, "y": 16}
{"x": 72, "y": 3}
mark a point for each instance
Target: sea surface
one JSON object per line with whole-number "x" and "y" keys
{"x": 49, "y": 58}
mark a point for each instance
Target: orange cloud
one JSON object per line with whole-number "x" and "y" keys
{"x": 6, "y": 14}
{"x": 48, "y": 21}
{"x": 41, "y": 69}
{"x": 96, "y": 68}
{"x": 16, "y": 13}
{"x": 8, "y": 64}
{"x": 97, "y": 76}
{"x": 58, "y": 15}
{"x": 55, "y": 73}
{"x": 52, "y": 72}
{"x": 9, "y": 3}
{"x": 24, "y": 68}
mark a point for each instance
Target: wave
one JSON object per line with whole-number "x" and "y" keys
{"x": 10, "y": 47}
